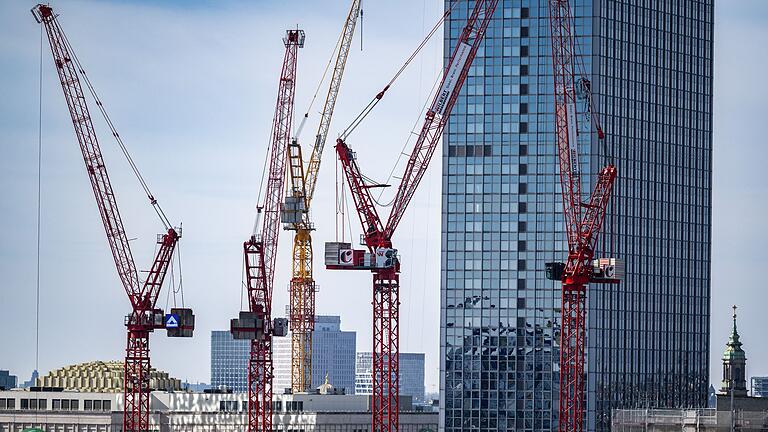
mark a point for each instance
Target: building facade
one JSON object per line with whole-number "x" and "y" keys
{"x": 759, "y": 386}
{"x": 229, "y": 361}
{"x": 333, "y": 353}
{"x": 7, "y": 381}
{"x": 196, "y": 412}
{"x": 650, "y": 68}
{"x": 411, "y": 375}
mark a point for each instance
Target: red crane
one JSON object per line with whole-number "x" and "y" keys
{"x": 583, "y": 220}
{"x": 260, "y": 251}
{"x": 381, "y": 258}
{"x": 145, "y": 316}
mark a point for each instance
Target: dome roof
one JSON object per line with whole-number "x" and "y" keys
{"x": 102, "y": 376}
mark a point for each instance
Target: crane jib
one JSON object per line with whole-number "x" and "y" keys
{"x": 573, "y": 138}
{"x": 451, "y": 78}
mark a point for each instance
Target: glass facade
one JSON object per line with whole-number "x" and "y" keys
{"x": 229, "y": 361}
{"x": 411, "y": 375}
{"x": 650, "y": 66}
{"x": 333, "y": 352}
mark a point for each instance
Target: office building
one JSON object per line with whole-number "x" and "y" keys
{"x": 759, "y": 386}
{"x": 333, "y": 354}
{"x": 650, "y": 68}
{"x": 196, "y": 412}
{"x": 411, "y": 375}
{"x": 7, "y": 381}
{"x": 229, "y": 361}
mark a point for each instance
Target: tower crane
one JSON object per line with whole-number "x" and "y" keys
{"x": 295, "y": 217}
{"x": 583, "y": 220}
{"x": 381, "y": 258}
{"x": 145, "y": 316}
{"x": 260, "y": 250}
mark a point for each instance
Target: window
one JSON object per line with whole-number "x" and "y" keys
{"x": 106, "y": 405}
{"x": 25, "y": 404}
{"x": 11, "y": 403}
{"x": 88, "y": 405}
{"x": 56, "y": 404}
{"x": 65, "y": 404}
{"x": 520, "y": 265}
{"x": 2, "y": 404}
{"x": 97, "y": 405}
{"x": 74, "y": 404}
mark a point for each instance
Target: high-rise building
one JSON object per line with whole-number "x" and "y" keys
{"x": 759, "y": 386}
{"x": 229, "y": 361}
{"x": 411, "y": 375}
{"x": 333, "y": 353}
{"x": 650, "y": 68}
{"x": 7, "y": 381}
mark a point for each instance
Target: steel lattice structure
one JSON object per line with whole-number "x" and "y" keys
{"x": 260, "y": 250}
{"x": 378, "y": 237}
{"x": 301, "y": 313}
{"x": 583, "y": 221}
{"x": 145, "y": 316}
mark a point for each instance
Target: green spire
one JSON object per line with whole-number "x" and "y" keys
{"x": 733, "y": 348}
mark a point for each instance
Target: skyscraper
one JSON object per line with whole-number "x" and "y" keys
{"x": 333, "y": 353}
{"x": 650, "y": 67}
{"x": 229, "y": 361}
{"x": 411, "y": 375}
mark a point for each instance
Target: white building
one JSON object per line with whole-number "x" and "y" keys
{"x": 195, "y": 412}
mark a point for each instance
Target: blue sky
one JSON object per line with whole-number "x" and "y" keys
{"x": 191, "y": 89}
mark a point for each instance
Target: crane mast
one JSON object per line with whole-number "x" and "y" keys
{"x": 381, "y": 258}
{"x": 301, "y": 313}
{"x": 260, "y": 250}
{"x": 583, "y": 222}
{"x": 145, "y": 316}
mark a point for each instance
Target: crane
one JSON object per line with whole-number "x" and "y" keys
{"x": 381, "y": 258}
{"x": 583, "y": 220}
{"x": 295, "y": 217}
{"x": 145, "y": 316}
{"x": 260, "y": 251}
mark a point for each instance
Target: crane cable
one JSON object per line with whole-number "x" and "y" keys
{"x": 39, "y": 202}
{"x": 155, "y": 205}
{"x": 376, "y": 99}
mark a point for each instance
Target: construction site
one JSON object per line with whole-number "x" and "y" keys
{"x": 574, "y": 211}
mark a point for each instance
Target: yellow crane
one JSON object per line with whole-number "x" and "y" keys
{"x": 301, "y": 312}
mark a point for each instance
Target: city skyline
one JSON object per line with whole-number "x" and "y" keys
{"x": 73, "y": 242}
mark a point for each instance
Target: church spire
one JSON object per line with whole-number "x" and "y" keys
{"x": 734, "y": 364}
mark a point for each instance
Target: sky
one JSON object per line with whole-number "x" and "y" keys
{"x": 191, "y": 88}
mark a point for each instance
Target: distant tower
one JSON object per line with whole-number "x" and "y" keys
{"x": 734, "y": 365}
